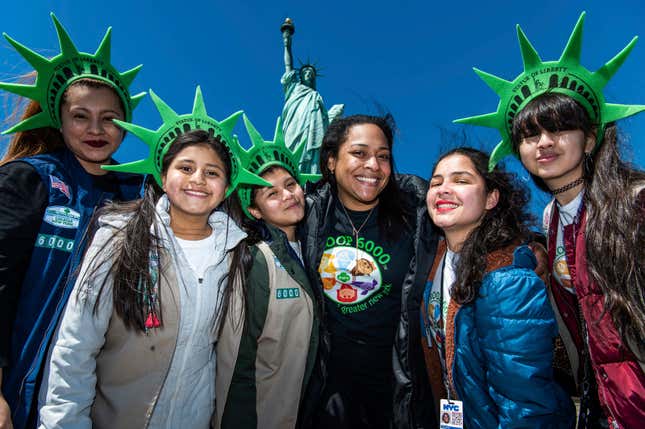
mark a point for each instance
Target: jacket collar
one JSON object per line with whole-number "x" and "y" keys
{"x": 221, "y": 223}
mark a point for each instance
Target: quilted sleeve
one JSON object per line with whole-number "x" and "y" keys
{"x": 516, "y": 329}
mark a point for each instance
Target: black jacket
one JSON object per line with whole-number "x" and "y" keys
{"x": 413, "y": 402}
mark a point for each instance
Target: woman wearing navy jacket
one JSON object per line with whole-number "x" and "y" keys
{"x": 50, "y": 185}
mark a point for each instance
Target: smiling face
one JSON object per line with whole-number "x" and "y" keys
{"x": 283, "y": 204}
{"x": 87, "y": 127}
{"x": 362, "y": 167}
{"x": 457, "y": 199}
{"x": 556, "y": 157}
{"x": 195, "y": 183}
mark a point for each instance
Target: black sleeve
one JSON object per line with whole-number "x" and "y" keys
{"x": 23, "y": 199}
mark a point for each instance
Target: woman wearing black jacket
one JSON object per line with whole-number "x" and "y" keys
{"x": 368, "y": 243}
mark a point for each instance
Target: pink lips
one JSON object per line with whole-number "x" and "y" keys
{"x": 547, "y": 157}
{"x": 96, "y": 143}
{"x": 294, "y": 205}
{"x": 444, "y": 209}
{"x": 194, "y": 193}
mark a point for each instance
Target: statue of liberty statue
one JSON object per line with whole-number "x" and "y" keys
{"x": 304, "y": 116}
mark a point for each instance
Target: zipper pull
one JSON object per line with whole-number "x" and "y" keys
{"x": 200, "y": 281}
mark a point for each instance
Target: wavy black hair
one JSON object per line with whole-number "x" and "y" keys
{"x": 507, "y": 223}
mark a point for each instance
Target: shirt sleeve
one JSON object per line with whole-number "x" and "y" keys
{"x": 69, "y": 381}
{"x": 23, "y": 199}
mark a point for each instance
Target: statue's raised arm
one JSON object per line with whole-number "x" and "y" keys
{"x": 304, "y": 117}
{"x": 287, "y": 28}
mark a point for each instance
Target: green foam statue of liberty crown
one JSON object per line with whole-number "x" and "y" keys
{"x": 54, "y": 75}
{"x": 174, "y": 125}
{"x": 264, "y": 154}
{"x": 566, "y": 76}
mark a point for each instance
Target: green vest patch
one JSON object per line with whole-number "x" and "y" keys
{"x": 287, "y": 293}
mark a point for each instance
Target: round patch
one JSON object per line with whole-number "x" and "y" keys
{"x": 349, "y": 276}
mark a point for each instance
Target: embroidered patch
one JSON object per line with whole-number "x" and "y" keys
{"x": 287, "y": 293}
{"x": 62, "y": 216}
{"x": 56, "y": 183}
{"x": 54, "y": 242}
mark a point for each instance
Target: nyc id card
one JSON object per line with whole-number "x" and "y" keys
{"x": 451, "y": 414}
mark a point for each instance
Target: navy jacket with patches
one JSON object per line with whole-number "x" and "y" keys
{"x": 73, "y": 196}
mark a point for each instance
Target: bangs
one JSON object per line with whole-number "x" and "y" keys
{"x": 552, "y": 112}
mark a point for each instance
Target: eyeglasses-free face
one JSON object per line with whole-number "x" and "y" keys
{"x": 362, "y": 167}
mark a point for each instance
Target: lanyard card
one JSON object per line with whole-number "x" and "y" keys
{"x": 451, "y": 414}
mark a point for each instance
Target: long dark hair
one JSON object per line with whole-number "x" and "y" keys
{"x": 44, "y": 139}
{"x": 393, "y": 213}
{"x": 506, "y": 223}
{"x": 614, "y": 233}
{"x": 128, "y": 251}
{"x": 241, "y": 262}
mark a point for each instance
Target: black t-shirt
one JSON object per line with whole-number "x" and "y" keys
{"x": 362, "y": 287}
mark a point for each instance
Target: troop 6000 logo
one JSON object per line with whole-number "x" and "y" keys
{"x": 351, "y": 272}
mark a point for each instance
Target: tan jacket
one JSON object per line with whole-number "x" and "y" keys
{"x": 132, "y": 367}
{"x": 103, "y": 375}
{"x": 280, "y": 354}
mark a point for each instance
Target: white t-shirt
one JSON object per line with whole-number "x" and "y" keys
{"x": 567, "y": 214}
{"x": 199, "y": 253}
{"x": 443, "y": 281}
{"x": 444, "y": 278}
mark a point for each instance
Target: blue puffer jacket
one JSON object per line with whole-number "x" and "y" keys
{"x": 499, "y": 349}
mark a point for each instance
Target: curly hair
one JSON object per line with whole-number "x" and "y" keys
{"x": 615, "y": 230}
{"x": 506, "y": 223}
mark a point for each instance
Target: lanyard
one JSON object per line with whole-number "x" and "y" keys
{"x": 441, "y": 287}
{"x": 442, "y": 326}
{"x": 433, "y": 321}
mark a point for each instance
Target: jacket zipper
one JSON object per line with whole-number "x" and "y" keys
{"x": 187, "y": 347}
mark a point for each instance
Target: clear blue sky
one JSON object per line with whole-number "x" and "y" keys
{"x": 411, "y": 58}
